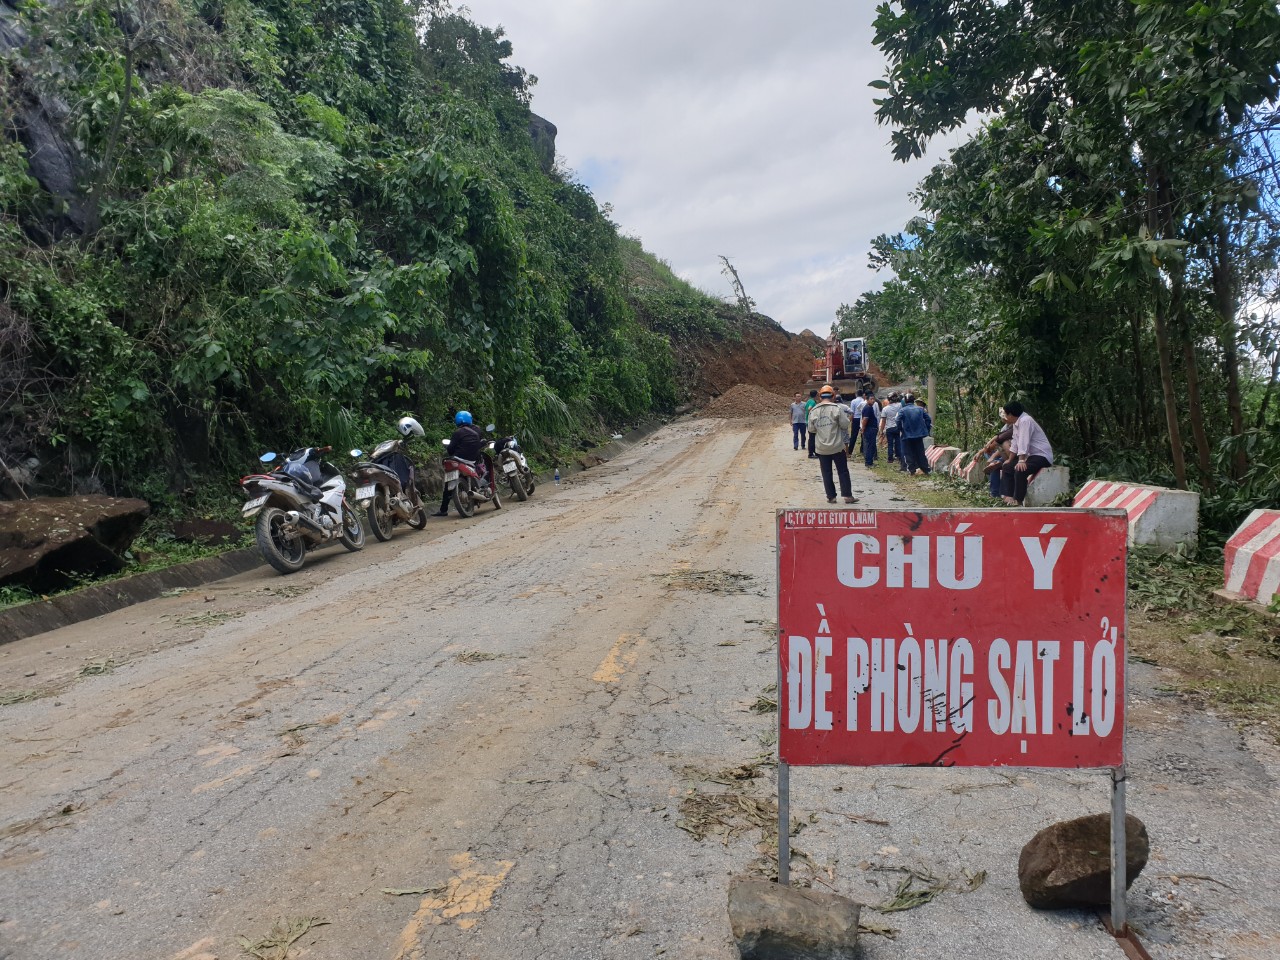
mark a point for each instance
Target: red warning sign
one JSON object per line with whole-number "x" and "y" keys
{"x": 952, "y": 638}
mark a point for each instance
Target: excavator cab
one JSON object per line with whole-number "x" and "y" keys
{"x": 855, "y": 357}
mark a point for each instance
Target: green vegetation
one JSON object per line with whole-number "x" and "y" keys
{"x": 1104, "y": 247}
{"x": 295, "y": 222}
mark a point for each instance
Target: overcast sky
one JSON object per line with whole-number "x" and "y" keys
{"x": 713, "y": 127}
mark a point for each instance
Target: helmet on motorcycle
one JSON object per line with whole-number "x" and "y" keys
{"x": 461, "y": 417}
{"x": 410, "y": 427}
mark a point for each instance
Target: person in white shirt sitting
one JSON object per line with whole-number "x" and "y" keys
{"x": 1030, "y": 451}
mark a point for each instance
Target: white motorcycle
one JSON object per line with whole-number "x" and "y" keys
{"x": 299, "y": 506}
{"x": 513, "y": 466}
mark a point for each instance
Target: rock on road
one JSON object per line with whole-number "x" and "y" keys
{"x": 498, "y": 739}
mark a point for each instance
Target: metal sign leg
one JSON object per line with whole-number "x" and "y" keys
{"x": 784, "y": 824}
{"x": 1119, "y": 854}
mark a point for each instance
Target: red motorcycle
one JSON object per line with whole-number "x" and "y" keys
{"x": 470, "y": 482}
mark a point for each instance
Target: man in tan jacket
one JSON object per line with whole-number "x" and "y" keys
{"x": 829, "y": 425}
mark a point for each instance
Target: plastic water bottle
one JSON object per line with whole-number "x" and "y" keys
{"x": 557, "y": 476}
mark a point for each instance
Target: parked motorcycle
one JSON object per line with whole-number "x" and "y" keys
{"x": 471, "y": 482}
{"x": 513, "y": 466}
{"x": 386, "y": 483}
{"x": 299, "y": 506}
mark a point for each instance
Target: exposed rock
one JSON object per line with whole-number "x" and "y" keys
{"x": 46, "y": 542}
{"x": 39, "y": 121}
{"x": 1068, "y": 864}
{"x": 212, "y": 533}
{"x": 772, "y": 922}
{"x": 543, "y": 133}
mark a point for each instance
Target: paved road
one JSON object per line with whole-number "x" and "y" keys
{"x": 518, "y": 724}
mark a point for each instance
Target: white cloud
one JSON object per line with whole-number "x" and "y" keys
{"x": 714, "y": 127}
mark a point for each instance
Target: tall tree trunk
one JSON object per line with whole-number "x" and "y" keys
{"x": 1224, "y": 295}
{"x": 1163, "y": 349}
{"x": 1142, "y": 426}
{"x": 1195, "y": 409}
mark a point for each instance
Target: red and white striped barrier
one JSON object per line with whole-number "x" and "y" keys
{"x": 957, "y": 465}
{"x": 940, "y": 457}
{"x": 1158, "y": 517}
{"x": 1251, "y": 567}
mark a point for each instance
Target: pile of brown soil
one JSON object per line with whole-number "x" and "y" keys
{"x": 746, "y": 400}
{"x": 766, "y": 356}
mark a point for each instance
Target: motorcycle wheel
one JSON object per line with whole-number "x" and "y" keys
{"x": 529, "y": 482}
{"x": 380, "y": 519}
{"x": 352, "y": 535}
{"x": 463, "y": 501}
{"x": 283, "y": 552}
{"x": 497, "y": 500}
{"x": 419, "y": 519}
{"x": 517, "y": 486}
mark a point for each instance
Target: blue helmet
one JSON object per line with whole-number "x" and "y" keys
{"x": 461, "y": 417}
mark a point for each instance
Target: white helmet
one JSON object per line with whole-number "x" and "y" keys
{"x": 410, "y": 427}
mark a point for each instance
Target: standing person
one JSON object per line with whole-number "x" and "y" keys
{"x": 889, "y": 426}
{"x": 828, "y": 425}
{"x": 870, "y": 428}
{"x": 1030, "y": 451}
{"x": 799, "y": 421}
{"x": 855, "y": 417}
{"x": 808, "y": 409}
{"x": 914, "y": 423}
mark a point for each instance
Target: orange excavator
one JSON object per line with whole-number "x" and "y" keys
{"x": 844, "y": 360}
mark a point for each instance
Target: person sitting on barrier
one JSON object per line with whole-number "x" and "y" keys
{"x": 1030, "y": 451}
{"x": 828, "y": 426}
{"x": 997, "y": 453}
{"x": 915, "y": 425}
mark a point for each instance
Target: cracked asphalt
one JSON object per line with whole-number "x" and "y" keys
{"x": 484, "y": 740}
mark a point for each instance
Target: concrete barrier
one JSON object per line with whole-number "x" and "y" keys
{"x": 940, "y": 457}
{"x": 957, "y": 465}
{"x": 973, "y": 473}
{"x": 1158, "y": 517}
{"x": 1047, "y": 486}
{"x": 1251, "y": 558}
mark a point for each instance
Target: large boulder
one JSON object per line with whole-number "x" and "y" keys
{"x": 48, "y": 542}
{"x": 1068, "y": 864}
{"x": 773, "y": 922}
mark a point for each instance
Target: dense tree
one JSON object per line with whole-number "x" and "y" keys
{"x": 1117, "y": 203}
{"x": 297, "y": 220}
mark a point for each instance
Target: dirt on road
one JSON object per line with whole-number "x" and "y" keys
{"x": 549, "y": 731}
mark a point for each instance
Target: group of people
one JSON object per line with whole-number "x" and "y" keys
{"x": 830, "y": 430}
{"x": 834, "y": 430}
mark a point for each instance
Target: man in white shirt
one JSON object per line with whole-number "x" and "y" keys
{"x": 1030, "y": 450}
{"x": 889, "y": 426}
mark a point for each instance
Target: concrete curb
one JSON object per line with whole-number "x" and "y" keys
{"x": 41, "y": 616}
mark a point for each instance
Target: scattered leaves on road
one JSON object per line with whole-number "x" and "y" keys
{"x": 476, "y": 656}
{"x": 708, "y": 581}
{"x": 210, "y": 619}
{"x": 285, "y": 933}
{"x": 17, "y": 696}
{"x": 97, "y": 668}
{"x": 766, "y": 701}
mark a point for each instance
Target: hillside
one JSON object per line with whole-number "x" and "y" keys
{"x": 227, "y": 228}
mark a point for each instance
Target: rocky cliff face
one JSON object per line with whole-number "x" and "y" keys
{"x": 38, "y": 122}
{"x": 543, "y": 132}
